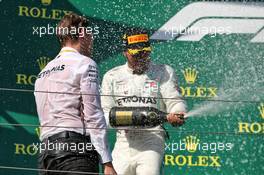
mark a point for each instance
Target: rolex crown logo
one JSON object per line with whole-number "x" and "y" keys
{"x": 42, "y": 62}
{"x": 46, "y": 2}
{"x": 190, "y": 75}
{"x": 191, "y": 143}
{"x": 261, "y": 110}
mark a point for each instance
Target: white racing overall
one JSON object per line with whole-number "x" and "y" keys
{"x": 136, "y": 151}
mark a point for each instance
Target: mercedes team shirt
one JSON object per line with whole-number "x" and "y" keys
{"x": 67, "y": 82}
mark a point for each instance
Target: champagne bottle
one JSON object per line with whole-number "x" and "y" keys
{"x": 136, "y": 116}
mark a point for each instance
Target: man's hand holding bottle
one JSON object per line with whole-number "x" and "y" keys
{"x": 176, "y": 119}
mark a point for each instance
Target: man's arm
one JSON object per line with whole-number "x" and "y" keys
{"x": 107, "y": 99}
{"x": 175, "y": 104}
{"x": 93, "y": 113}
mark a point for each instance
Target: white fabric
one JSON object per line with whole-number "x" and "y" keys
{"x": 134, "y": 152}
{"x": 72, "y": 75}
{"x": 138, "y": 153}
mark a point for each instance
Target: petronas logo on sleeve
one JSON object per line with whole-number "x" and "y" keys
{"x": 261, "y": 110}
{"x": 191, "y": 143}
{"x": 46, "y": 2}
{"x": 190, "y": 75}
{"x": 42, "y": 62}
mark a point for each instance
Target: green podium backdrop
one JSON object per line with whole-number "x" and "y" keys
{"x": 215, "y": 48}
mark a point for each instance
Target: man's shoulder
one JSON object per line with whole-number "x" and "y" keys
{"x": 76, "y": 59}
{"x": 86, "y": 60}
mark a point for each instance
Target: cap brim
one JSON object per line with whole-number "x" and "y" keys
{"x": 138, "y": 45}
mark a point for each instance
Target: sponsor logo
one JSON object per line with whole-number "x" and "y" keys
{"x": 198, "y": 161}
{"x": 136, "y": 99}
{"x": 151, "y": 87}
{"x": 26, "y": 79}
{"x": 42, "y": 62}
{"x": 52, "y": 70}
{"x": 93, "y": 73}
{"x": 255, "y": 127}
{"x": 137, "y": 38}
{"x": 27, "y": 149}
{"x": 190, "y": 76}
{"x": 211, "y": 18}
{"x": 151, "y": 84}
{"x": 42, "y": 12}
{"x": 23, "y": 149}
{"x": 190, "y": 145}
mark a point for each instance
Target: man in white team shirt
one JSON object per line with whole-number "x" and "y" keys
{"x": 68, "y": 105}
{"x": 141, "y": 83}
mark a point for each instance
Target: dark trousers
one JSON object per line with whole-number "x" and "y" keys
{"x": 63, "y": 160}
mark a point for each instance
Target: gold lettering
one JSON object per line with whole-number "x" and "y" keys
{"x": 32, "y": 79}
{"x": 243, "y": 127}
{"x": 20, "y": 149}
{"x": 186, "y": 92}
{"x": 44, "y": 14}
{"x": 215, "y": 162}
{"x": 212, "y": 92}
{"x": 21, "y": 79}
{"x": 35, "y": 12}
{"x": 198, "y": 92}
{"x": 56, "y": 14}
{"x": 31, "y": 150}
{"x": 201, "y": 92}
{"x": 190, "y": 163}
{"x": 182, "y": 91}
{"x": 203, "y": 160}
{"x": 25, "y": 79}
{"x": 255, "y": 127}
{"x": 183, "y": 162}
{"x": 23, "y": 10}
{"x": 251, "y": 127}
{"x": 169, "y": 160}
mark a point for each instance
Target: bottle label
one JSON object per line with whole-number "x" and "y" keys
{"x": 124, "y": 118}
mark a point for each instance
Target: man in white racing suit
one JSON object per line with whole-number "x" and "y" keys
{"x": 141, "y": 83}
